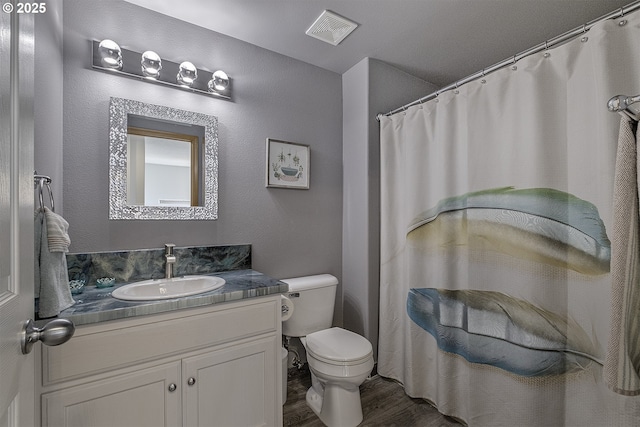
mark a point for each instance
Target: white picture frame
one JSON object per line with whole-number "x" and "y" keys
{"x": 288, "y": 164}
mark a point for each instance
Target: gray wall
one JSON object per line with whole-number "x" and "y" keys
{"x": 293, "y": 232}
{"x": 366, "y": 92}
{"x": 47, "y": 109}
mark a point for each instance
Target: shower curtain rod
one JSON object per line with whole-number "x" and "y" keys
{"x": 515, "y": 58}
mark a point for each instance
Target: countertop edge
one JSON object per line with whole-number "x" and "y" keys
{"x": 97, "y": 305}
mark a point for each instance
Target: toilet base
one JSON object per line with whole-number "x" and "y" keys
{"x": 314, "y": 401}
{"x": 338, "y": 406}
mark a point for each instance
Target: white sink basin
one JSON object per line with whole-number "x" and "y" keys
{"x": 177, "y": 287}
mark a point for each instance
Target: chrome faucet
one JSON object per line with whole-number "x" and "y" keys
{"x": 170, "y": 260}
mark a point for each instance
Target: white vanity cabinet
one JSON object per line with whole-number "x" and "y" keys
{"x": 227, "y": 387}
{"x": 133, "y": 399}
{"x": 210, "y": 366}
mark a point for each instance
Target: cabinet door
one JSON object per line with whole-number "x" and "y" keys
{"x": 234, "y": 386}
{"x": 138, "y": 399}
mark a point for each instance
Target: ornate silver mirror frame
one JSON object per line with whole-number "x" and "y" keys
{"x": 119, "y": 110}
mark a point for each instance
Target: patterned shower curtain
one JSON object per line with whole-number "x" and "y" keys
{"x": 497, "y": 210}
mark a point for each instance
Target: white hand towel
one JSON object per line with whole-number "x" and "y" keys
{"x": 51, "y": 275}
{"x": 57, "y": 235}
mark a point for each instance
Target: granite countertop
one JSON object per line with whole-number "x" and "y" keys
{"x": 97, "y": 305}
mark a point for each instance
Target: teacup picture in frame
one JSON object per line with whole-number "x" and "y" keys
{"x": 287, "y": 164}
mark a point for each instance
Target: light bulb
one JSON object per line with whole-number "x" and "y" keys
{"x": 187, "y": 74}
{"x": 151, "y": 64}
{"x": 110, "y": 54}
{"x": 219, "y": 81}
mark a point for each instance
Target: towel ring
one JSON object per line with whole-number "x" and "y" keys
{"x": 41, "y": 181}
{"x": 53, "y": 207}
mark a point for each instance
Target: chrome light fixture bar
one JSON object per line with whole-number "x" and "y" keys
{"x": 149, "y": 67}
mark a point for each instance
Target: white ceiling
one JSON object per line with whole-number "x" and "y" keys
{"x": 437, "y": 40}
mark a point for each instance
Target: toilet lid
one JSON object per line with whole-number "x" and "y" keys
{"x": 337, "y": 345}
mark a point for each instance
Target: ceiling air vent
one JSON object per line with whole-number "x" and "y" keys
{"x": 331, "y": 28}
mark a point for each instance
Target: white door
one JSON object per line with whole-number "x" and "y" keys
{"x": 16, "y": 216}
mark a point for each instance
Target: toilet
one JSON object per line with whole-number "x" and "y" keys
{"x": 339, "y": 360}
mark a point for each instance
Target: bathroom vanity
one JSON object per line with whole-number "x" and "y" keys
{"x": 208, "y": 365}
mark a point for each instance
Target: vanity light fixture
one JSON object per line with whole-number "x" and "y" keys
{"x": 151, "y": 64}
{"x": 219, "y": 82}
{"x": 108, "y": 56}
{"x": 187, "y": 74}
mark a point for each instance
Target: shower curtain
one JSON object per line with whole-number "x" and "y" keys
{"x": 496, "y": 220}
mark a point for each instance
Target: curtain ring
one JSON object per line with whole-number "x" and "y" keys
{"x": 584, "y": 39}
{"x": 622, "y": 22}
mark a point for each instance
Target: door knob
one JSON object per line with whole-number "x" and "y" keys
{"x": 55, "y": 332}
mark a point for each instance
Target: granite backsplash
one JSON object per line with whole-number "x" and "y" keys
{"x": 142, "y": 264}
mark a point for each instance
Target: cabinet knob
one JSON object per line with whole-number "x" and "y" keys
{"x": 172, "y": 387}
{"x": 191, "y": 381}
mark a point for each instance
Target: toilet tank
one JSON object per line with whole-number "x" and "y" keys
{"x": 313, "y": 300}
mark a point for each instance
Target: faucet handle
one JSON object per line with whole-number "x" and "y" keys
{"x": 168, "y": 248}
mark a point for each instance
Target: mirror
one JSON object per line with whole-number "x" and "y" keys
{"x": 163, "y": 162}
{"x": 162, "y": 167}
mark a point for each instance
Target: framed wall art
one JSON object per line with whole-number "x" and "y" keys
{"x": 287, "y": 164}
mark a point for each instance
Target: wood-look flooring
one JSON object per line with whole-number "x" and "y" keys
{"x": 384, "y": 403}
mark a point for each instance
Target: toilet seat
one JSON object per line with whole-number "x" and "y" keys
{"x": 346, "y": 375}
{"x": 337, "y": 346}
